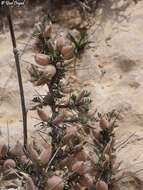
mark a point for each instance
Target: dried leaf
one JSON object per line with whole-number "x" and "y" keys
{"x": 29, "y": 182}
{"x": 17, "y": 150}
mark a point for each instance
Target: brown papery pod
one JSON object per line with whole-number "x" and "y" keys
{"x": 48, "y": 31}
{"x": 83, "y": 167}
{"x": 45, "y": 155}
{"x": 71, "y": 132}
{"x": 4, "y": 150}
{"x": 60, "y": 42}
{"x": 104, "y": 124}
{"x": 33, "y": 155}
{"x": 79, "y": 167}
{"x": 55, "y": 183}
{"x": 70, "y": 162}
{"x": 101, "y": 185}
{"x": 42, "y": 59}
{"x": 67, "y": 52}
{"x": 9, "y": 164}
{"x": 44, "y": 116}
{"x": 49, "y": 72}
{"x": 82, "y": 155}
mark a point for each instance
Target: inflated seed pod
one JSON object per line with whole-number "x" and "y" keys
{"x": 3, "y": 151}
{"x": 45, "y": 155}
{"x": 93, "y": 171}
{"x": 49, "y": 72}
{"x": 33, "y": 155}
{"x": 79, "y": 167}
{"x": 42, "y": 59}
{"x": 60, "y": 42}
{"x": 47, "y": 32}
{"x": 55, "y": 183}
{"x": 86, "y": 181}
{"x": 81, "y": 155}
{"x": 82, "y": 167}
{"x": 101, "y": 185}
{"x": 44, "y": 116}
{"x": 9, "y": 164}
{"x": 71, "y": 132}
{"x": 67, "y": 52}
{"x": 70, "y": 162}
{"x": 104, "y": 124}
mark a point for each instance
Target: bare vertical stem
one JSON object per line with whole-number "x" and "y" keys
{"x": 8, "y": 137}
{"x": 17, "y": 62}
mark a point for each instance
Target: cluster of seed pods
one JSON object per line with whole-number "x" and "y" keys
{"x": 78, "y": 161}
{"x": 45, "y": 62}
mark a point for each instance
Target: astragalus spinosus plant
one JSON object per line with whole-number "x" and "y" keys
{"x": 81, "y": 154}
